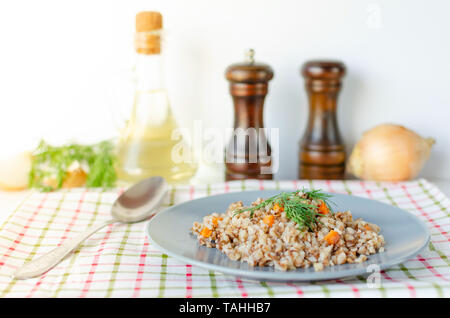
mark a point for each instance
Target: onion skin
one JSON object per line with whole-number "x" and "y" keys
{"x": 14, "y": 172}
{"x": 389, "y": 153}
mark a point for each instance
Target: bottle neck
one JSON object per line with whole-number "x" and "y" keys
{"x": 149, "y": 72}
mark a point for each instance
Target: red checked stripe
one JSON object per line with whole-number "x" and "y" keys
{"x": 31, "y": 236}
{"x": 238, "y": 280}
{"x": 191, "y": 192}
{"x": 74, "y": 218}
{"x": 430, "y": 268}
{"x": 69, "y": 227}
{"x": 354, "y": 289}
{"x": 369, "y": 192}
{"x": 17, "y": 241}
{"x": 389, "y": 185}
{"x": 84, "y": 252}
{"x": 95, "y": 263}
{"x": 183, "y": 265}
{"x": 37, "y": 224}
{"x": 129, "y": 264}
{"x": 143, "y": 257}
{"x": 10, "y": 266}
{"x": 411, "y": 288}
{"x": 425, "y": 214}
{"x": 261, "y": 185}
{"x": 87, "y": 284}
{"x": 419, "y": 258}
{"x": 71, "y": 210}
{"x": 442, "y": 241}
{"x": 330, "y": 188}
{"x": 129, "y": 281}
{"x": 424, "y": 199}
{"x": 436, "y": 211}
{"x": 428, "y": 258}
{"x": 188, "y": 281}
{"x": 298, "y": 290}
{"x": 241, "y": 288}
{"x": 13, "y": 249}
{"x": 36, "y": 286}
{"x": 188, "y": 266}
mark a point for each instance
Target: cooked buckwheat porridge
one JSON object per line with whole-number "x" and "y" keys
{"x": 291, "y": 230}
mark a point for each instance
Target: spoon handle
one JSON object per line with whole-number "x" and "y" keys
{"x": 47, "y": 261}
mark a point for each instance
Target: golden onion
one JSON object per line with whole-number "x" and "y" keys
{"x": 389, "y": 152}
{"x": 14, "y": 171}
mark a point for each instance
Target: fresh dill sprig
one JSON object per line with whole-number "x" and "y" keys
{"x": 318, "y": 195}
{"x": 297, "y": 205}
{"x": 54, "y": 161}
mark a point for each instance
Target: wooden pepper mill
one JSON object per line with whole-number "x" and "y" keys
{"x": 322, "y": 153}
{"x": 248, "y": 154}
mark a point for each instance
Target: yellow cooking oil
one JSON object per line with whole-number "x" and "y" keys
{"x": 148, "y": 145}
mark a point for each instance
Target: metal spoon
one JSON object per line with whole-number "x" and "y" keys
{"x": 134, "y": 205}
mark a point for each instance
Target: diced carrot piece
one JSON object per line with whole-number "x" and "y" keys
{"x": 206, "y": 232}
{"x": 323, "y": 208}
{"x": 278, "y": 208}
{"x": 332, "y": 237}
{"x": 367, "y": 227}
{"x": 216, "y": 220}
{"x": 268, "y": 219}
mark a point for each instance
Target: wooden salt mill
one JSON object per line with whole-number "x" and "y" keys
{"x": 322, "y": 153}
{"x": 248, "y": 154}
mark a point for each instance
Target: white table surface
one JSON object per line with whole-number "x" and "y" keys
{"x": 10, "y": 200}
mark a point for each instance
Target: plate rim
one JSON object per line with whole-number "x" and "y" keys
{"x": 289, "y": 275}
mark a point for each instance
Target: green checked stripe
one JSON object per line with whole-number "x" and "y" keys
{"x": 212, "y": 279}
{"x": 27, "y": 197}
{"x": 270, "y": 292}
{"x": 381, "y": 289}
{"x": 324, "y": 288}
{"x": 66, "y": 274}
{"x": 403, "y": 268}
{"x": 115, "y": 270}
{"x": 212, "y": 275}
{"x": 163, "y": 273}
{"x": 363, "y": 280}
{"x": 411, "y": 276}
{"x": 443, "y": 209}
{"x": 433, "y": 198}
{"x": 108, "y": 268}
{"x": 243, "y": 187}
{"x": 440, "y": 253}
{"x": 36, "y": 246}
{"x": 347, "y": 189}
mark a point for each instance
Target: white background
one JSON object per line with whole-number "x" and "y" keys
{"x": 65, "y": 65}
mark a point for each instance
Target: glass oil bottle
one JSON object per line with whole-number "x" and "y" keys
{"x": 147, "y": 146}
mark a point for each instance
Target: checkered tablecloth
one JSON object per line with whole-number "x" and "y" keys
{"x": 118, "y": 261}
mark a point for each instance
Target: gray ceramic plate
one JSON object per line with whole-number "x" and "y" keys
{"x": 169, "y": 230}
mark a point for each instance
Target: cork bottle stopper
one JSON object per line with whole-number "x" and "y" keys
{"x": 148, "y": 37}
